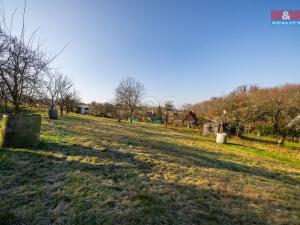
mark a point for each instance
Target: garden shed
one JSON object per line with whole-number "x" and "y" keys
{"x": 210, "y": 128}
{"x": 82, "y": 108}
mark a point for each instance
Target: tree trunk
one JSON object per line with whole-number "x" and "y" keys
{"x": 130, "y": 116}
{"x": 281, "y": 141}
{"x": 238, "y": 132}
{"x": 220, "y": 129}
{"x": 6, "y": 105}
{"x": 248, "y": 130}
{"x": 16, "y": 109}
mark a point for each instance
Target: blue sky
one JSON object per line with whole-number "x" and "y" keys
{"x": 192, "y": 50}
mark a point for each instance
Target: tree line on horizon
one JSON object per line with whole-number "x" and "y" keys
{"x": 247, "y": 109}
{"x": 267, "y": 111}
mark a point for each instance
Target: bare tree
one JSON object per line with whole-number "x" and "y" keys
{"x": 95, "y": 108}
{"x": 3, "y": 96}
{"x": 129, "y": 94}
{"x": 187, "y": 107}
{"x": 108, "y": 108}
{"x": 169, "y": 106}
{"x": 64, "y": 89}
{"x": 71, "y": 100}
{"x": 49, "y": 91}
{"x": 21, "y": 62}
{"x": 19, "y": 70}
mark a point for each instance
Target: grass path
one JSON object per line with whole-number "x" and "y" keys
{"x": 90, "y": 170}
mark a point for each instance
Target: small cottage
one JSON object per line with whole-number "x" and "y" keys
{"x": 82, "y": 108}
{"x": 210, "y": 128}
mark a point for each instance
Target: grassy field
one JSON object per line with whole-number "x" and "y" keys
{"x": 90, "y": 170}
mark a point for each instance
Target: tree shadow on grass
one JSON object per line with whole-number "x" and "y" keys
{"x": 59, "y": 191}
{"x": 74, "y": 184}
{"x": 259, "y": 140}
{"x": 205, "y": 158}
{"x": 92, "y": 155}
{"x": 142, "y": 129}
{"x": 171, "y": 203}
{"x": 181, "y": 154}
{"x": 271, "y": 142}
{"x": 40, "y": 179}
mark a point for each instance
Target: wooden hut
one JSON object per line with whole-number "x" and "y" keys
{"x": 210, "y": 128}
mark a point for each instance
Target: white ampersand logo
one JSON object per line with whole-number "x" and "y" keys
{"x": 285, "y": 15}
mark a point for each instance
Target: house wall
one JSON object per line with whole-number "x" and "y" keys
{"x": 82, "y": 109}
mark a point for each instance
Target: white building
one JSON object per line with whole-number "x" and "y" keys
{"x": 82, "y": 108}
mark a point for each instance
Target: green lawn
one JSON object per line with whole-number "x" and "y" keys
{"x": 90, "y": 170}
